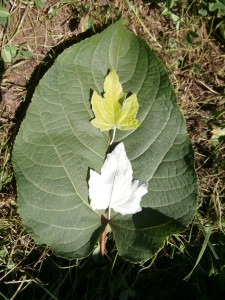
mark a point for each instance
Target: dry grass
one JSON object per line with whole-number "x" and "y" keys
{"x": 197, "y": 73}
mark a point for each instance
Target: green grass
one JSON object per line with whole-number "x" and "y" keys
{"x": 193, "y": 52}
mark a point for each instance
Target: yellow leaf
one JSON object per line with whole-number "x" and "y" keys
{"x": 113, "y": 110}
{"x": 218, "y": 132}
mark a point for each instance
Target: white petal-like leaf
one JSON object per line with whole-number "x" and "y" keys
{"x": 115, "y": 187}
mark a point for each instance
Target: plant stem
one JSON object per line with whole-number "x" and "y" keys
{"x": 109, "y": 212}
{"x": 113, "y": 137}
{"x": 102, "y": 243}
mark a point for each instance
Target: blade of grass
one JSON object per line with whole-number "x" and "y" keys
{"x": 46, "y": 290}
{"x": 142, "y": 24}
{"x": 207, "y": 233}
{"x": 3, "y": 296}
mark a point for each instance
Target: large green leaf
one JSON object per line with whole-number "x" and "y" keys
{"x": 57, "y": 145}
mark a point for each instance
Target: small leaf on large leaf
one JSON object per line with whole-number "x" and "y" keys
{"x": 57, "y": 145}
{"x": 114, "y": 110}
{"x": 114, "y": 188}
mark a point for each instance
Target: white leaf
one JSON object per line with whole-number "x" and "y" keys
{"x": 114, "y": 188}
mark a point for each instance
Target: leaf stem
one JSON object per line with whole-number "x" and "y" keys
{"x": 109, "y": 212}
{"x": 113, "y": 137}
{"x": 102, "y": 244}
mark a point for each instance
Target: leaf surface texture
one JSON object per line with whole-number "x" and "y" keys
{"x": 57, "y": 145}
